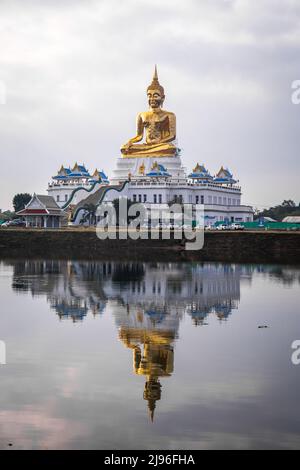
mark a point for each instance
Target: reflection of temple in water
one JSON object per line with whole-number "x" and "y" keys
{"x": 148, "y": 301}
{"x": 70, "y": 288}
{"x": 75, "y": 288}
{"x": 167, "y": 291}
{"x": 150, "y": 310}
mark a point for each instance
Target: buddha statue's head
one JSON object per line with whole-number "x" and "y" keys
{"x": 155, "y": 93}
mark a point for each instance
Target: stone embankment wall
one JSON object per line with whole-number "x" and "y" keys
{"x": 248, "y": 247}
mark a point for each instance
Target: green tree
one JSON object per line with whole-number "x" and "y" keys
{"x": 286, "y": 208}
{"x": 20, "y": 201}
{"x": 288, "y": 203}
{"x": 7, "y": 215}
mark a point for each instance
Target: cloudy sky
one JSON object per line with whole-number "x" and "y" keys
{"x": 73, "y": 75}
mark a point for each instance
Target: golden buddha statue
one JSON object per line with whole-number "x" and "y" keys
{"x": 159, "y": 126}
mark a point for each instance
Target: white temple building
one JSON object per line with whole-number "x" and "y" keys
{"x": 164, "y": 180}
{"x": 151, "y": 173}
{"x": 70, "y": 185}
{"x": 151, "y": 181}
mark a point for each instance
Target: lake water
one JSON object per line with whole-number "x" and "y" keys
{"x": 149, "y": 356}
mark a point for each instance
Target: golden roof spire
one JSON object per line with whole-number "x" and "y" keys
{"x": 152, "y": 393}
{"x": 155, "y": 85}
{"x": 151, "y": 408}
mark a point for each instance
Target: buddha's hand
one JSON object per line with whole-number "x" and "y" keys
{"x": 127, "y": 146}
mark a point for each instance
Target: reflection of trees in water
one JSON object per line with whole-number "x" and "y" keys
{"x": 286, "y": 275}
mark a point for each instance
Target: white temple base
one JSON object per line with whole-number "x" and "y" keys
{"x": 130, "y": 167}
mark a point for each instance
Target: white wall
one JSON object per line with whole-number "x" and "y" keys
{"x": 63, "y": 191}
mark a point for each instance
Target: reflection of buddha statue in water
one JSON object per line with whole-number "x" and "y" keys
{"x": 159, "y": 126}
{"x": 156, "y": 360}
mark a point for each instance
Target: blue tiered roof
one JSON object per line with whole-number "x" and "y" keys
{"x": 200, "y": 173}
{"x": 62, "y": 173}
{"x": 224, "y": 177}
{"x": 158, "y": 171}
{"x": 223, "y": 311}
{"x": 156, "y": 315}
{"x": 77, "y": 313}
{"x": 99, "y": 176}
{"x": 79, "y": 171}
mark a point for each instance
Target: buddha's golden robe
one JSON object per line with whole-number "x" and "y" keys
{"x": 160, "y": 129}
